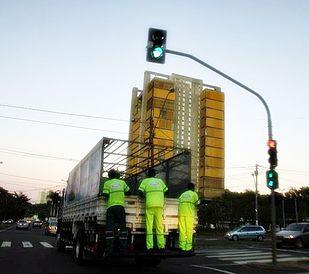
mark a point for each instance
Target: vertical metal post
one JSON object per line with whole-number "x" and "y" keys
{"x": 256, "y": 172}
{"x": 273, "y": 227}
{"x": 296, "y": 209}
{"x": 283, "y": 211}
{"x": 255, "y": 176}
{"x": 151, "y": 137}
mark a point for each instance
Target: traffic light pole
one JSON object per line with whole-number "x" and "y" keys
{"x": 270, "y": 134}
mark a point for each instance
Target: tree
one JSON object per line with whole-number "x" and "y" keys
{"x": 54, "y": 199}
{"x": 13, "y": 206}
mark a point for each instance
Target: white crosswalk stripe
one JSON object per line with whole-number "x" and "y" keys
{"x": 6, "y": 244}
{"x": 279, "y": 259}
{"x": 45, "y": 244}
{"x": 246, "y": 256}
{"x": 27, "y": 244}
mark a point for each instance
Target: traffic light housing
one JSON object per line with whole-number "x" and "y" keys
{"x": 272, "y": 151}
{"x": 156, "y": 47}
{"x": 272, "y": 179}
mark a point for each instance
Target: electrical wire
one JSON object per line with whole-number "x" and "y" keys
{"x": 59, "y": 124}
{"x": 63, "y": 113}
{"x": 23, "y": 153}
{"x": 36, "y": 179}
{"x": 34, "y": 188}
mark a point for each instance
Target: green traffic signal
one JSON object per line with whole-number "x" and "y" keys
{"x": 156, "y": 46}
{"x": 272, "y": 179}
{"x": 157, "y": 52}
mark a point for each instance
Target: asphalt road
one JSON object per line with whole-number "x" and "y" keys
{"x": 31, "y": 252}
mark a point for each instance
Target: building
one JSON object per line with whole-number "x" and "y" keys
{"x": 42, "y": 197}
{"x": 179, "y": 112}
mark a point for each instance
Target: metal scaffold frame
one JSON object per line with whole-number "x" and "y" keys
{"x": 116, "y": 155}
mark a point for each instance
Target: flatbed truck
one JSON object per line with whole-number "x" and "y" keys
{"x": 82, "y": 218}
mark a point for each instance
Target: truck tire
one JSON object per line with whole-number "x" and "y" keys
{"x": 144, "y": 261}
{"x": 78, "y": 248}
{"x": 59, "y": 243}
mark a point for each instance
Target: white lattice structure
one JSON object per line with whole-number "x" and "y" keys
{"x": 190, "y": 125}
{"x": 186, "y": 124}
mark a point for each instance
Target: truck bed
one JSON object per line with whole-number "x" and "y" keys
{"x": 95, "y": 209}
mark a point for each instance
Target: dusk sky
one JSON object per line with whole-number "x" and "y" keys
{"x": 85, "y": 57}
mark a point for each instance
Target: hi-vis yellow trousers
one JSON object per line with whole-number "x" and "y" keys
{"x": 154, "y": 216}
{"x": 185, "y": 232}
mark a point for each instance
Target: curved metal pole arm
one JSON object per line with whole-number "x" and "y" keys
{"x": 270, "y": 134}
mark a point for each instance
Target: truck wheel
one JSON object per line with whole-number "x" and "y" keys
{"x": 144, "y": 261}
{"x": 78, "y": 249}
{"x": 59, "y": 243}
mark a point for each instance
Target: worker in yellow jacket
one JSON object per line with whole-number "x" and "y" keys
{"x": 153, "y": 189}
{"x": 114, "y": 190}
{"x": 187, "y": 209}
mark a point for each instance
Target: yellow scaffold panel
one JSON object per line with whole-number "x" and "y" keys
{"x": 215, "y": 123}
{"x": 215, "y": 104}
{"x": 215, "y": 95}
{"x": 164, "y": 134}
{"x": 214, "y": 172}
{"x": 214, "y": 162}
{"x": 215, "y": 152}
{"x": 214, "y": 142}
{"x": 212, "y": 113}
{"x": 163, "y": 93}
{"x": 214, "y": 132}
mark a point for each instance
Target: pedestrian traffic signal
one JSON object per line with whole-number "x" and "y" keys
{"x": 272, "y": 179}
{"x": 272, "y": 151}
{"x": 156, "y": 46}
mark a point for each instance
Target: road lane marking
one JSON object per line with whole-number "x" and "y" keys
{"x": 220, "y": 250}
{"x": 27, "y": 244}
{"x": 204, "y": 252}
{"x": 45, "y": 244}
{"x": 261, "y": 257}
{"x": 6, "y": 244}
{"x": 286, "y": 250}
{"x": 214, "y": 269}
{"x": 240, "y": 253}
{"x": 270, "y": 260}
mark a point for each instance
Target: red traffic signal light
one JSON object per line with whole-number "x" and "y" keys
{"x": 272, "y": 144}
{"x": 273, "y": 160}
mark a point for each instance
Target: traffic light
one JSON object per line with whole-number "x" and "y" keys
{"x": 156, "y": 46}
{"x": 272, "y": 151}
{"x": 272, "y": 179}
